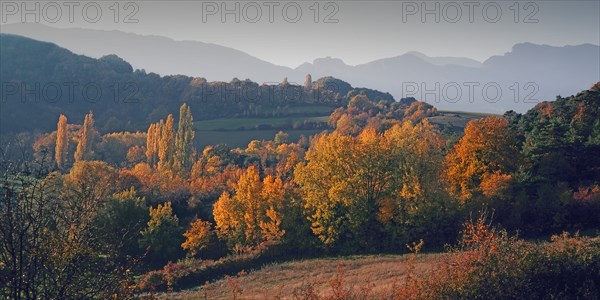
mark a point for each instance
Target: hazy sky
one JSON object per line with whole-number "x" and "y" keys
{"x": 365, "y": 30}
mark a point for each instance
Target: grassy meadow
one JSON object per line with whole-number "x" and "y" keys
{"x": 284, "y": 279}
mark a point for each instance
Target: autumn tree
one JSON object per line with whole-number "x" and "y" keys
{"x": 281, "y": 138}
{"x": 92, "y": 180}
{"x": 136, "y": 154}
{"x": 331, "y": 188}
{"x": 253, "y": 214}
{"x": 418, "y": 206}
{"x": 62, "y": 141}
{"x": 166, "y": 145}
{"x": 482, "y": 161}
{"x": 152, "y": 142}
{"x": 288, "y": 156}
{"x": 84, "y": 147}
{"x": 198, "y": 237}
{"x": 264, "y": 151}
{"x": 184, "y": 151}
{"x": 354, "y": 187}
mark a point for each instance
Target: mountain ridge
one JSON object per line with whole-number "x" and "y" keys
{"x": 527, "y": 74}
{"x": 131, "y": 99}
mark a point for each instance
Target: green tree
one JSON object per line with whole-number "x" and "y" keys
{"x": 281, "y": 138}
{"x": 48, "y": 242}
{"x": 120, "y": 223}
{"x": 184, "y": 141}
{"x": 163, "y": 236}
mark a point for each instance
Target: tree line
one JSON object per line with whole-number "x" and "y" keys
{"x": 391, "y": 179}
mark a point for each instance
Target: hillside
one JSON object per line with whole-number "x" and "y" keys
{"x": 286, "y": 278}
{"x": 539, "y": 70}
{"x": 45, "y": 80}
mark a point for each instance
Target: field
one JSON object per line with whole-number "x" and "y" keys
{"x": 457, "y": 119}
{"x": 237, "y": 139}
{"x": 238, "y": 132}
{"x": 283, "y": 279}
{"x": 252, "y": 123}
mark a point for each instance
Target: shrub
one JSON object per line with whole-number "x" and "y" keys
{"x": 489, "y": 264}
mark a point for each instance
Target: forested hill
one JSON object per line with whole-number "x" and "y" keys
{"x": 43, "y": 80}
{"x": 562, "y": 137}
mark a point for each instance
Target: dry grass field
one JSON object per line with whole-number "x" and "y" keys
{"x": 456, "y": 118}
{"x": 280, "y": 281}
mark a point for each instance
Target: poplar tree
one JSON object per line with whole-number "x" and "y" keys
{"x": 308, "y": 82}
{"x": 166, "y": 144}
{"x": 152, "y": 141}
{"x": 84, "y": 146}
{"x": 62, "y": 141}
{"x": 184, "y": 140}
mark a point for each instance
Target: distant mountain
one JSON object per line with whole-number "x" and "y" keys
{"x": 444, "y": 61}
{"x": 41, "y": 80}
{"x": 155, "y": 53}
{"x": 516, "y": 80}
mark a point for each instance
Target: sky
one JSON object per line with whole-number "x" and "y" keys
{"x": 290, "y": 33}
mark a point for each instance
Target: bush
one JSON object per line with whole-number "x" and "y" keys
{"x": 489, "y": 264}
{"x": 191, "y": 271}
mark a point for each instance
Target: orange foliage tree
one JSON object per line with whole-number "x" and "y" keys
{"x": 482, "y": 161}
{"x": 198, "y": 237}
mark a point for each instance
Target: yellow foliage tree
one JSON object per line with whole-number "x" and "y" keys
{"x": 84, "y": 147}
{"x": 62, "y": 141}
{"x": 197, "y": 237}
{"x": 166, "y": 144}
{"x": 253, "y": 214}
{"x": 152, "y": 139}
{"x": 348, "y": 182}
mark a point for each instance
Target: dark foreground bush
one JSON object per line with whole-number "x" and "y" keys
{"x": 489, "y": 264}
{"x": 192, "y": 272}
